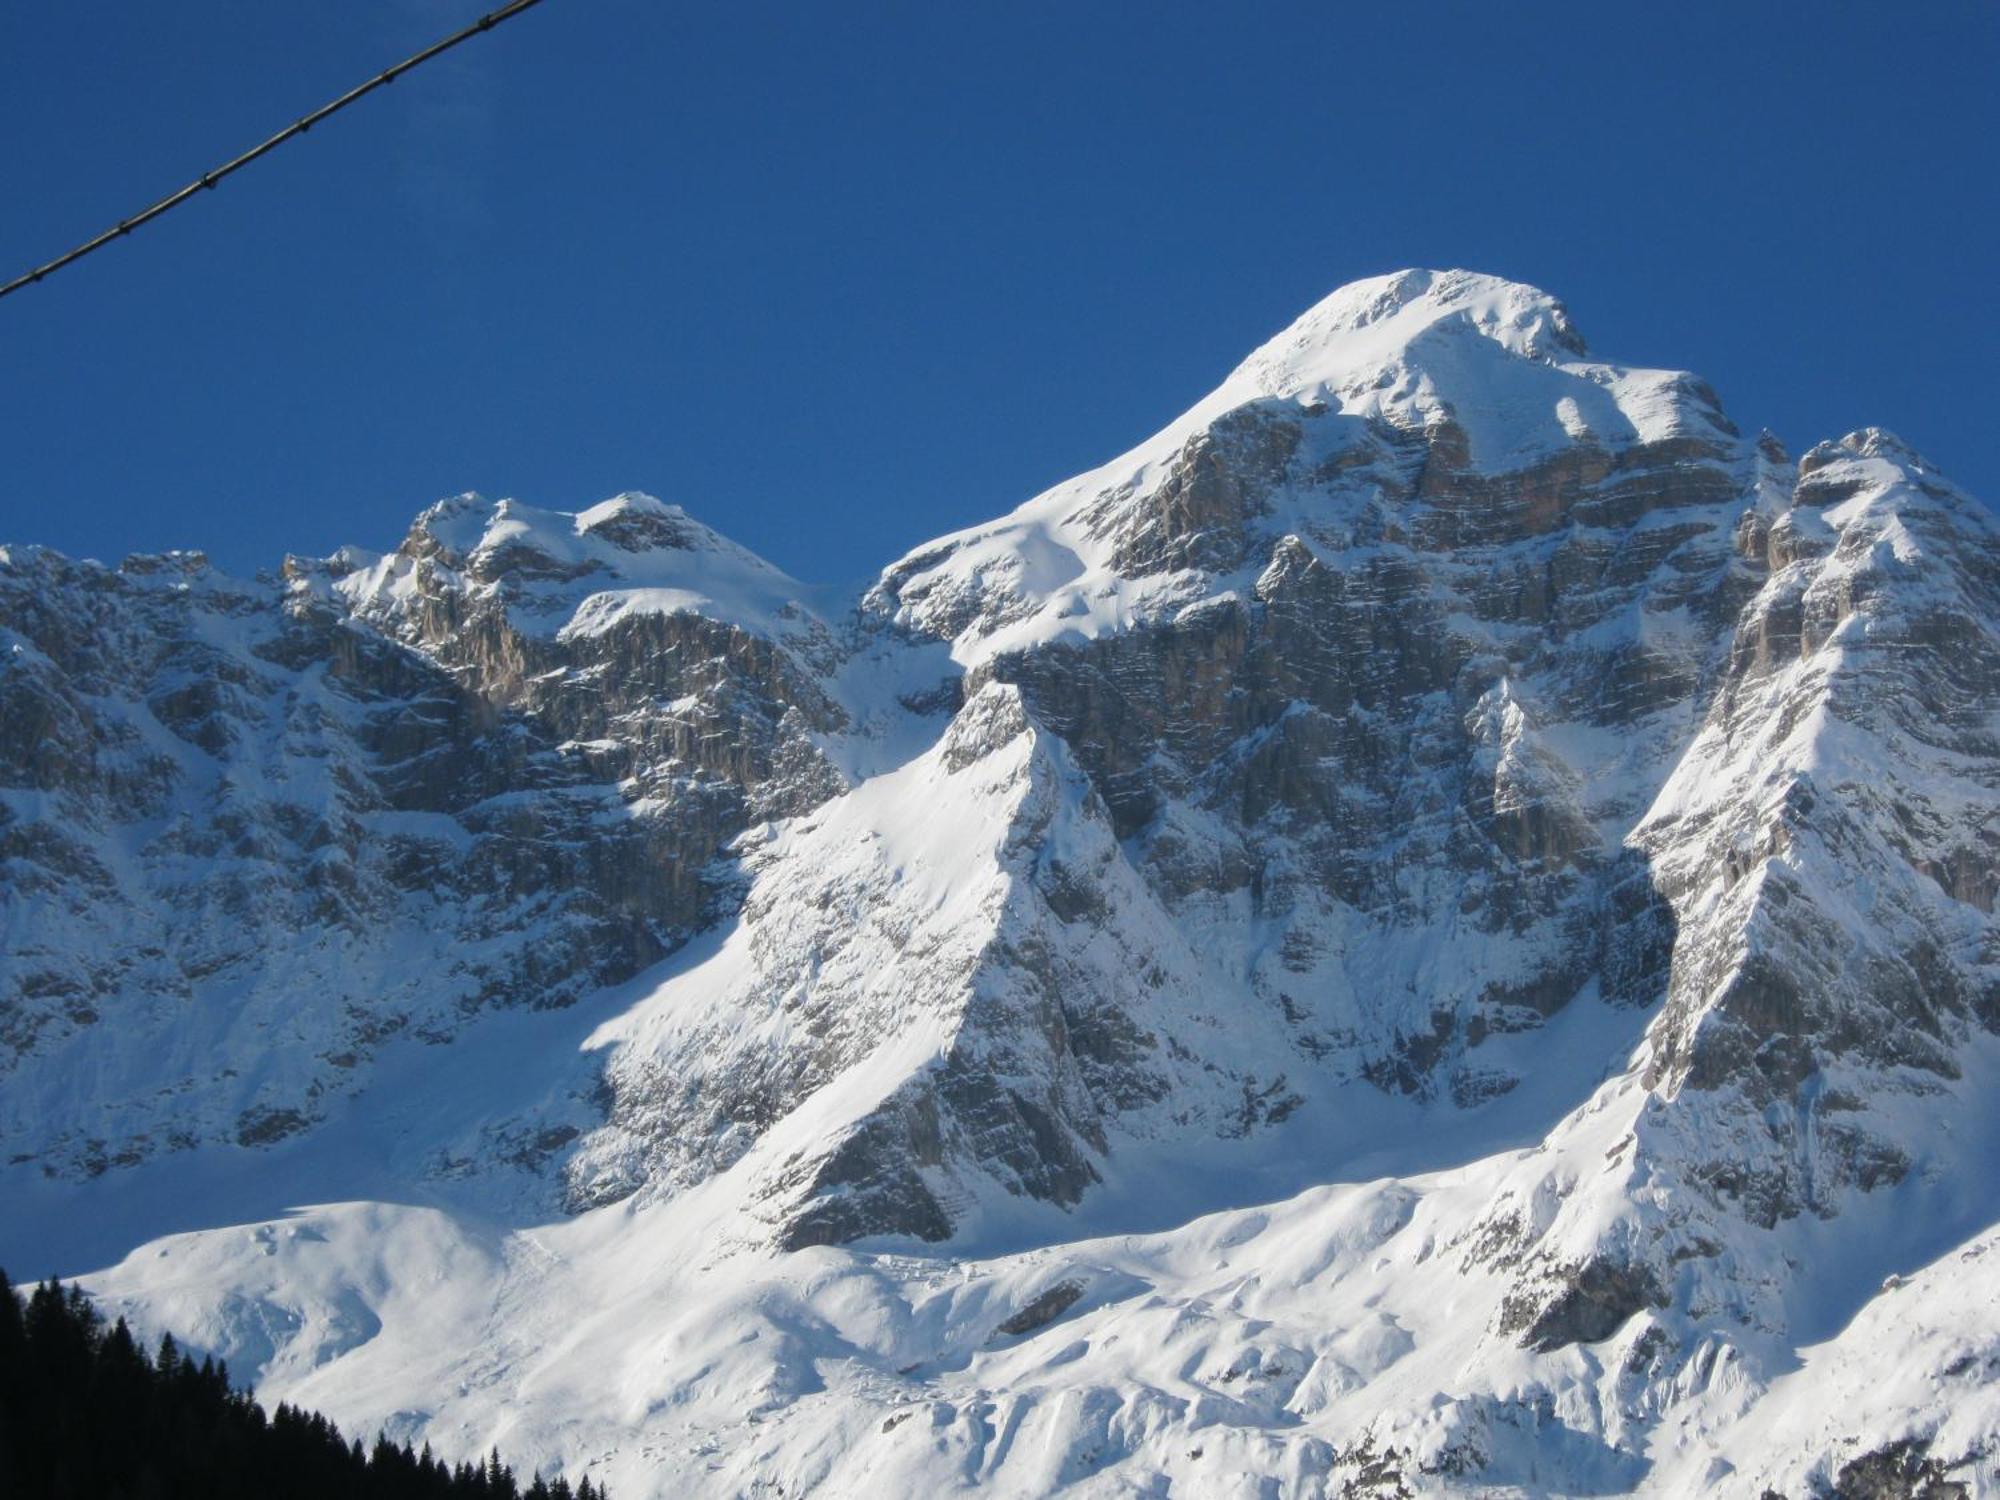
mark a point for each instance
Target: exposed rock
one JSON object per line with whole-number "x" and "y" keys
{"x": 1900, "y": 1471}
{"x": 1593, "y": 1302}
{"x": 1043, "y": 1310}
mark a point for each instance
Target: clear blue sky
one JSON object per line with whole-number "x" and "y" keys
{"x": 842, "y": 277}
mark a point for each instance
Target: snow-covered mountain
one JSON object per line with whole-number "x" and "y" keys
{"x": 1429, "y": 929}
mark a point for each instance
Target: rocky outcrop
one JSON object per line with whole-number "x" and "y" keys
{"x": 1900, "y": 1471}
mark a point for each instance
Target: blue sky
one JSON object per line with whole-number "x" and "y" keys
{"x": 839, "y": 278}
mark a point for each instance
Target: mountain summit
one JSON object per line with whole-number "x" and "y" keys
{"x": 1427, "y": 929}
{"x": 1470, "y": 395}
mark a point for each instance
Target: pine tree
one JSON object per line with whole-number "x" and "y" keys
{"x": 84, "y": 1412}
{"x": 12, "y": 1332}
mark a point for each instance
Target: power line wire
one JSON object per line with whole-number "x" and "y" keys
{"x": 298, "y": 127}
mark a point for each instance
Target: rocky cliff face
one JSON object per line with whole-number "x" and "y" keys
{"x": 1440, "y": 766}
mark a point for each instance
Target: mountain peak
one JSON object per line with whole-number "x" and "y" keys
{"x": 1866, "y": 443}
{"x": 1487, "y": 378}
{"x": 499, "y": 537}
{"x": 1366, "y": 325}
{"x": 636, "y": 513}
{"x": 584, "y": 570}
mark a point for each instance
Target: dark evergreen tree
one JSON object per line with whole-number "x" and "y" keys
{"x": 86, "y": 1415}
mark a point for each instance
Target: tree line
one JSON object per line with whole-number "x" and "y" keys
{"x": 87, "y": 1414}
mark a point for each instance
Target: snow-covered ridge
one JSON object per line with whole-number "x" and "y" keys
{"x": 582, "y": 572}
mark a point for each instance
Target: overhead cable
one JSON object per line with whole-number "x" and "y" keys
{"x": 208, "y": 180}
